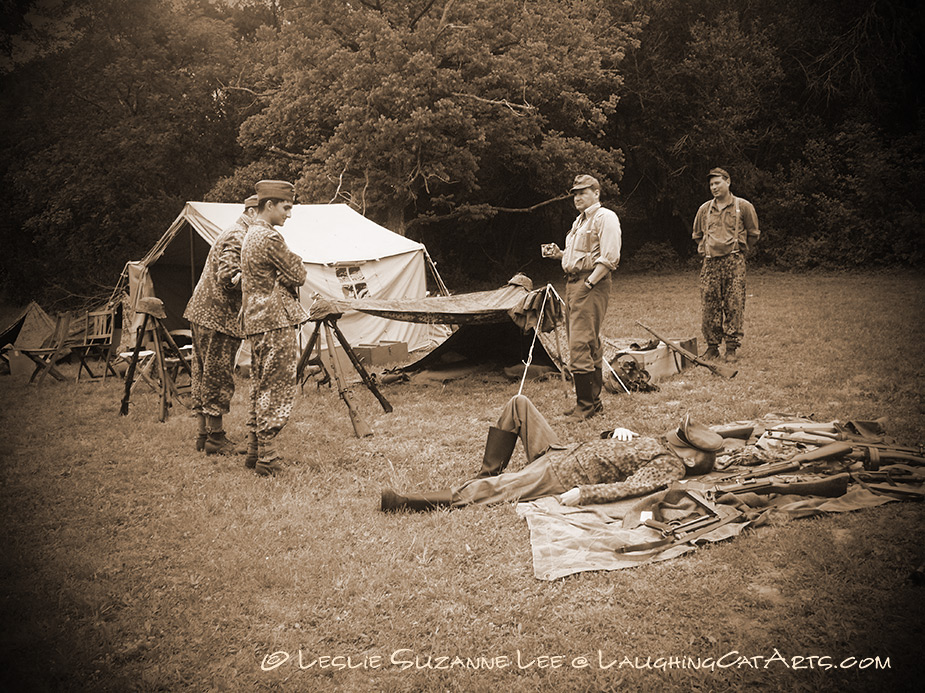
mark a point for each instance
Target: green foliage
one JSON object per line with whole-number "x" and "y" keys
{"x": 460, "y": 123}
{"x": 104, "y": 138}
{"x": 413, "y": 112}
{"x": 853, "y": 200}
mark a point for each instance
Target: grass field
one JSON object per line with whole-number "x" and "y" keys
{"x": 130, "y": 562}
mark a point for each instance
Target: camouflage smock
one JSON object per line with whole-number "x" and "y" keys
{"x": 606, "y": 470}
{"x": 216, "y": 300}
{"x": 271, "y": 274}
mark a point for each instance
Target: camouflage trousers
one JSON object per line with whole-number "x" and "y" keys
{"x": 584, "y": 315}
{"x": 273, "y": 365}
{"x": 722, "y": 299}
{"x": 212, "y": 370}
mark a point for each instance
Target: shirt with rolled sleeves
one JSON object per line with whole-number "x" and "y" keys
{"x": 720, "y": 231}
{"x": 271, "y": 273}
{"x": 595, "y": 238}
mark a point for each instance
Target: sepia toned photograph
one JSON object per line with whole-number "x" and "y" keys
{"x": 462, "y": 345}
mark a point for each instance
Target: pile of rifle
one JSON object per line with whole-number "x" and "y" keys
{"x": 881, "y": 467}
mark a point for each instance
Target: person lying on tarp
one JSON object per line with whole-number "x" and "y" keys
{"x": 619, "y": 464}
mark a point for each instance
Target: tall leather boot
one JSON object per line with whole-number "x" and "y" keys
{"x": 498, "y": 450}
{"x": 597, "y": 384}
{"x": 250, "y": 461}
{"x": 203, "y": 432}
{"x": 584, "y": 403}
{"x": 217, "y": 443}
{"x": 268, "y": 460}
{"x": 391, "y": 501}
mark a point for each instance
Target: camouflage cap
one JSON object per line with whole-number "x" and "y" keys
{"x": 276, "y": 190}
{"x": 251, "y": 201}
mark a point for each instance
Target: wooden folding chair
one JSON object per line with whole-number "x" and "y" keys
{"x": 46, "y": 357}
{"x": 98, "y": 338}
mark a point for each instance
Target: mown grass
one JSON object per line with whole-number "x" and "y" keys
{"x": 131, "y": 562}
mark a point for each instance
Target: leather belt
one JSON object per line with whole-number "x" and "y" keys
{"x": 577, "y": 276}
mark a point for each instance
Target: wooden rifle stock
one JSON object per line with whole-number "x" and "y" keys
{"x": 830, "y": 487}
{"x": 825, "y": 452}
{"x": 718, "y": 369}
{"x": 130, "y": 373}
{"x": 360, "y": 427}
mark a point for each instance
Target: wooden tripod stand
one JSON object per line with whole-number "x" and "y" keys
{"x": 328, "y": 363}
{"x": 164, "y": 385}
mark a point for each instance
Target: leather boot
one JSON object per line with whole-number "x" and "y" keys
{"x": 268, "y": 461}
{"x": 584, "y": 404}
{"x": 391, "y": 501}
{"x": 202, "y": 434}
{"x": 597, "y": 384}
{"x": 498, "y": 450}
{"x": 250, "y": 461}
{"x": 217, "y": 443}
{"x": 731, "y": 356}
{"x": 711, "y": 354}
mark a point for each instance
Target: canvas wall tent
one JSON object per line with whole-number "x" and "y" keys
{"x": 346, "y": 255}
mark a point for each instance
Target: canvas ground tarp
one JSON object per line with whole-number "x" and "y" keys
{"x": 345, "y": 256}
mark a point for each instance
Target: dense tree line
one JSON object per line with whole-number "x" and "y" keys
{"x": 460, "y": 123}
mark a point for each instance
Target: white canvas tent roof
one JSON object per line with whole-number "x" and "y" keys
{"x": 346, "y": 256}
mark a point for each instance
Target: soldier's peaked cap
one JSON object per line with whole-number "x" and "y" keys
{"x": 690, "y": 434}
{"x": 275, "y": 189}
{"x": 584, "y": 181}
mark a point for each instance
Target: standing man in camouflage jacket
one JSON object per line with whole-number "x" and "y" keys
{"x": 272, "y": 274}
{"x": 725, "y": 230}
{"x": 214, "y": 315}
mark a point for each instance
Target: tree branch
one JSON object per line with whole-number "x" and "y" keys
{"x": 456, "y": 214}
{"x": 259, "y": 95}
{"x": 514, "y": 107}
{"x": 426, "y": 9}
{"x": 290, "y": 155}
{"x": 532, "y": 208}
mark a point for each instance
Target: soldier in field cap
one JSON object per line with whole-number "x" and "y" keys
{"x": 592, "y": 252}
{"x": 214, "y": 315}
{"x": 272, "y": 274}
{"x": 725, "y": 230}
{"x": 619, "y": 464}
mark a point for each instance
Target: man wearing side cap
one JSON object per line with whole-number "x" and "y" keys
{"x": 617, "y": 465}
{"x": 592, "y": 252}
{"x": 725, "y": 230}
{"x": 215, "y": 320}
{"x": 271, "y": 275}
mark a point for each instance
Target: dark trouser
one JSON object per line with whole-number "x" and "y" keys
{"x": 722, "y": 299}
{"x": 584, "y": 314}
{"x": 535, "y": 480}
{"x": 273, "y": 365}
{"x": 212, "y": 370}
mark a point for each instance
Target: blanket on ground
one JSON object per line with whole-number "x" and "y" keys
{"x": 567, "y": 540}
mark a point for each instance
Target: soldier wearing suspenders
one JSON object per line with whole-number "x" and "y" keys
{"x": 725, "y": 230}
